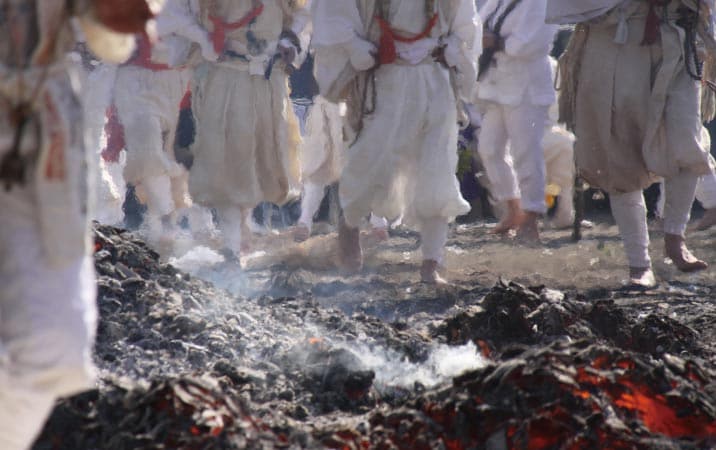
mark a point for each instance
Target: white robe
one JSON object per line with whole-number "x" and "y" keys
{"x": 148, "y": 105}
{"x": 521, "y": 73}
{"x": 246, "y": 147}
{"x": 404, "y": 160}
{"x": 47, "y": 291}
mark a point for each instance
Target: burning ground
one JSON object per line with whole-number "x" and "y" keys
{"x": 296, "y": 356}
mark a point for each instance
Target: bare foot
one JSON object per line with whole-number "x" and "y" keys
{"x": 230, "y": 256}
{"x": 349, "y": 249}
{"x": 675, "y": 248}
{"x": 528, "y": 231}
{"x": 301, "y": 233}
{"x": 707, "y": 221}
{"x": 246, "y": 244}
{"x": 429, "y": 273}
{"x": 513, "y": 218}
{"x": 380, "y": 233}
{"x": 642, "y": 277}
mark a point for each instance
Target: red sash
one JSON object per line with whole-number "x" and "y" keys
{"x": 651, "y": 28}
{"x": 386, "y": 50}
{"x": 143, "y": 55}
{"x": 218, "y": 36}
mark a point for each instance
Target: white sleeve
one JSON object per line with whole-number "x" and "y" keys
{"x": 525, "y": 32}
{"x": 177, "y": 18}
{"x": 464, "y": 45}
{"x": 338, "y": 29}
{"x": 336, "y": 22}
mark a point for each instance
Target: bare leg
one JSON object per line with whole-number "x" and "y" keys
{"x": 528, "y": 231}
{"x": 433, "y": 233}
{"x": 379, "y": 227}
{"x": 429, "y": 273}
{"x": 514, "y": 217}
{"x": 311, "y": 201}
{"x": 642, "y": 277}
{"x": 675, "y": 248}
{"x": 350, "y": 253}
{"x": 679, "y": 192}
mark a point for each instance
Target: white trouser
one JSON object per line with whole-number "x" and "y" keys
{"x": 199, "y": 218}
{"x": 433, "y": 236}
{"x": 559, "y": 161}
{"x": 629, "y": 211}
{"x": 378, "y": 222}
{"x": 230, "y": 224}
{"x": 155, "y": 192}
{"x": 313, "y": 194}
{"x": 706, "y": 191}
{"x": 517, "y": 171}
{"x": 158, "y": 192}
{"x": 47, "y": 325}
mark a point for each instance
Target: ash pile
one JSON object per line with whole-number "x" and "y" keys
{"x": 184, "y": 365}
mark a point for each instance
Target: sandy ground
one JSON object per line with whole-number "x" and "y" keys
{"x": 388, "y": 287}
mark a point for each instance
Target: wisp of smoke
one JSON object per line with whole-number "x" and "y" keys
{"x": 443, "y": 363}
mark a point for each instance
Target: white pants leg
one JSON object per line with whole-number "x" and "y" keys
{"x": 660, "y": 202}
{"x": 564, "y": 216}
{"x": 525, "y": 128}
{"x": 706, "y": 191}
{"x": 47, "y": 325}
{"x": 199, "y": 218}
{"x": 679, "y": 194}
{"x": 156, "y": 192}
{"x": 378, "y": 222}
{"x": 433, "y": 235}
{"x": 230, "y": 220}
{"x": 629, "y": 211}
{"x": 158, "y": 195}
{"x": 312, "y": 197}
{"x": 495, "y": 157}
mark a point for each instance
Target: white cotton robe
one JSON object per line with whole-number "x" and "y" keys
{"x": 246, "y": 148}
{"x": 47, "y": 290}
{"x": 148, "y": 98}
{"x": 404, "y": 159}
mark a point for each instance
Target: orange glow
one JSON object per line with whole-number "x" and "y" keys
{"x": 660, "y": 417}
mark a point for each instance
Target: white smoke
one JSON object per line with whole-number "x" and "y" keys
{"x": 444, "y": 362}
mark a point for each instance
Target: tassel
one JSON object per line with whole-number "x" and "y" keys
{"x": 652, "y": 26}
{"x": 218, "y": 36}
{"x": 387, "y": 54}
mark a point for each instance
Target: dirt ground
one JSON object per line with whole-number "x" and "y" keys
{"x": 593, "y": 268}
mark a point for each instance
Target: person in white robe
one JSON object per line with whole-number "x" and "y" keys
{"x": 515, "y": 92}
{"x": 246, "y": 147}
{"x": 47, "y": 291}
{"x": 705, "y": 194}
{"x": 628, "y": 90}
{"x": 148, "y": 91}
{"x": 322, "y": 153}
{"x": 558, "y": 149}
{"x": 403, "y": 157}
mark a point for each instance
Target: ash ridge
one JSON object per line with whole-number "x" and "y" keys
{"x": 184, "y": 365}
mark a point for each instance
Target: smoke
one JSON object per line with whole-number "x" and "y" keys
{"x": 444, "y": 362}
